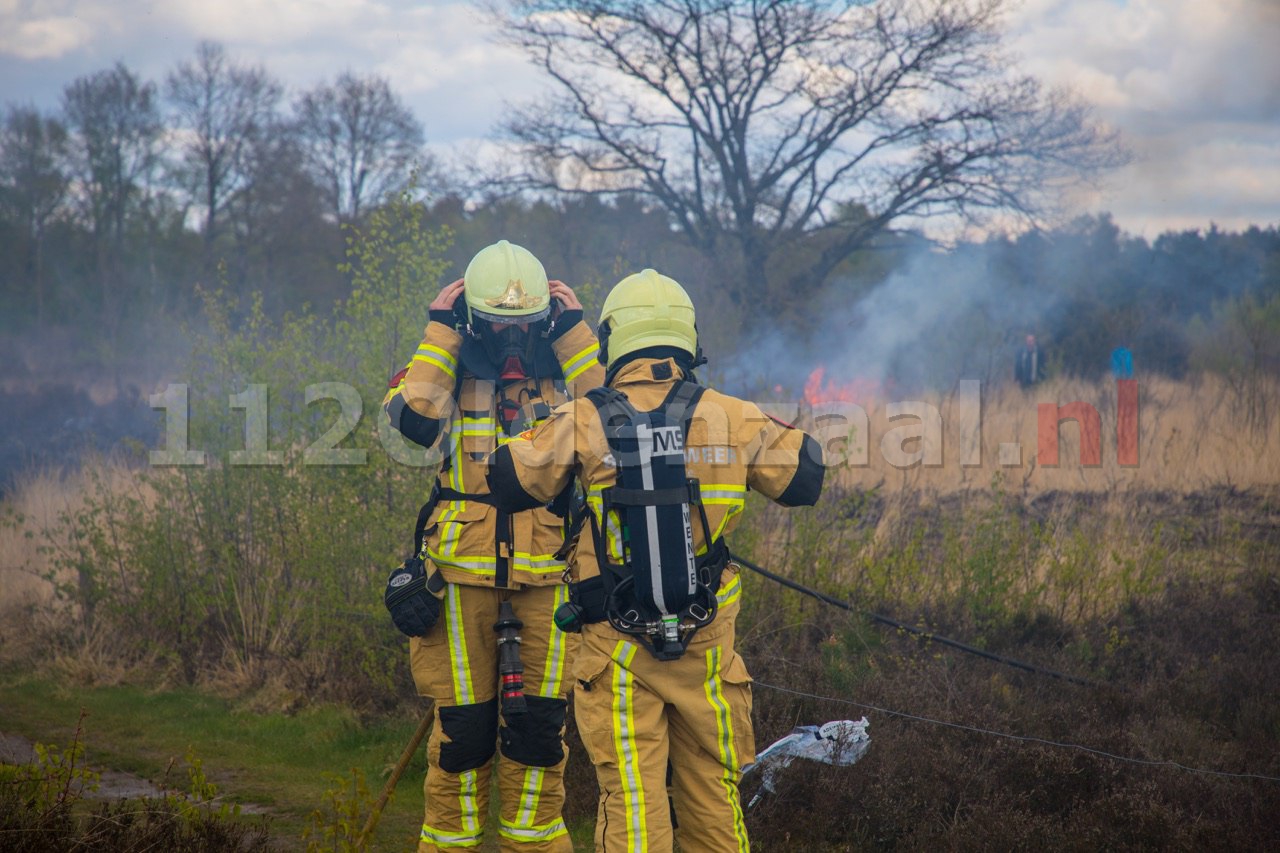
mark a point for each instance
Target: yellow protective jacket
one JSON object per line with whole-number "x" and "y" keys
{"x": 731, "y": 446}
{"x": 438, "y": 400}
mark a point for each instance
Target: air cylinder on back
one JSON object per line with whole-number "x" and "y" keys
{"x": 650, "y": 458}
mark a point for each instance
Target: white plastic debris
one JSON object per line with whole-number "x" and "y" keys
{"x": 839, "y": 742}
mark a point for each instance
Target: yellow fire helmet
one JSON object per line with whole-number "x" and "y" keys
{"x": 647, "y": 309}
{"x": 505, "y": 283}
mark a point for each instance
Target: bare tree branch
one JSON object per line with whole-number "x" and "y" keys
{"x": 221, "y": 109}
{"x": 359, "y": 139}
{"x": 761, "y": 124}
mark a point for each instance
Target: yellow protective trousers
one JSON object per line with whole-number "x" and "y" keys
{"x": 457, "y": 665}
{"x": 640, "y": 717}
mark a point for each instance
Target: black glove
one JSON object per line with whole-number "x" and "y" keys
{"x": 413, "y": 608}
{"x": 565, "y": 321}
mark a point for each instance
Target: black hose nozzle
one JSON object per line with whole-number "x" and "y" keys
{"x": 510, "y": 669}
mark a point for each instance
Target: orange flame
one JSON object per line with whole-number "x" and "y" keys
{"x": 861, "y": 390}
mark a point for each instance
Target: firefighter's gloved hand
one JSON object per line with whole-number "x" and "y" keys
{"x": 443, "y": 315}
{"x": 565, "y": 321}
{"x": 413, "y": 608}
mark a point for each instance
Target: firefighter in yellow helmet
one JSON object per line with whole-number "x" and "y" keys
{"x": 666, "y": 465}
{"x": 503, "y": 346}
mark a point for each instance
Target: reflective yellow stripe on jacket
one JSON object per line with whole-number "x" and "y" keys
{"x": 580, "y": 362}
{"x": 438, "y": 356}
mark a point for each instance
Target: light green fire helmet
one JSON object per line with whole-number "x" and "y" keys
{"x": 646, "y": 309}
{"x": 505, "y": 283}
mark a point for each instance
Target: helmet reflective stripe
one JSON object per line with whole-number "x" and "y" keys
{"x": 505, "y": 283}
{"x": 648, "y": 309}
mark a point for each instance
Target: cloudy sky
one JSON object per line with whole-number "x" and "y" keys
{"x": 1193, "y": 85}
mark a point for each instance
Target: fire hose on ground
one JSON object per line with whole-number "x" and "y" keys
{"x": 837, "y": 742}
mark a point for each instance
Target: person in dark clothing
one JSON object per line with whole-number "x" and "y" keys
{"x": 1028, "y": 368}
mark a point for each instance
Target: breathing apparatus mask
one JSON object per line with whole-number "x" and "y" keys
{"x": 510, "y": 343}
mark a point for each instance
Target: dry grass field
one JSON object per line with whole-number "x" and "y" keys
{"x": 1158, "y": 583}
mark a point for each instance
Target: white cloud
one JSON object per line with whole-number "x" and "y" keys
{"x": 43, "y": 38}
{"x": 1193, "y": 86}
{"x": 267, "y": 23}
{"x": 37, "y": 31}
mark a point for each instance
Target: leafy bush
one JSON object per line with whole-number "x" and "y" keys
{"x": 266, "y": 561}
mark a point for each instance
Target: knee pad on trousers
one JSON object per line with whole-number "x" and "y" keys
{"x": 533, "y": 739}
{"x": 472, "y": 732}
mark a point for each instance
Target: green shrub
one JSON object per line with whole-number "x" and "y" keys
{"x": 267, "y": 560}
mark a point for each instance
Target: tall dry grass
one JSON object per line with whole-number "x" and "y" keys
{"x": 35, "y": 566}
{"x": 1192, "y": 435}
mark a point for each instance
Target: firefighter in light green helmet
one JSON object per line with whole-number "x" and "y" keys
{"x": 666, "y": 465}
{"x": 503, "y": 348}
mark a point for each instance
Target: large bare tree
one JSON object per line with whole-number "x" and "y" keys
{"x": 359, "y": 138}
{"x": 115, "y": 125}
{"x": 221, "y": 109}
{"x": 783, "y": 135}
{"x": 33, "y": 182}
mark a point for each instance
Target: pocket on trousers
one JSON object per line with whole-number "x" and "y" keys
{"x": 735, "y": 671}
{"x": 588, "y": 665}
{"x": 592, "y": 705}
{"x": 737, "y": 688}
{"x": 424, "y": 661}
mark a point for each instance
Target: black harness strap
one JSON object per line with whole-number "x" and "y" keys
{"x": 503, "y": 532}
{"x": 593, "y": 594}
{"x": 654, "y": 497}
{"x": 503, "y": 540}
{"x": 435, "y": 581}
{"x": 448, "y": 494}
